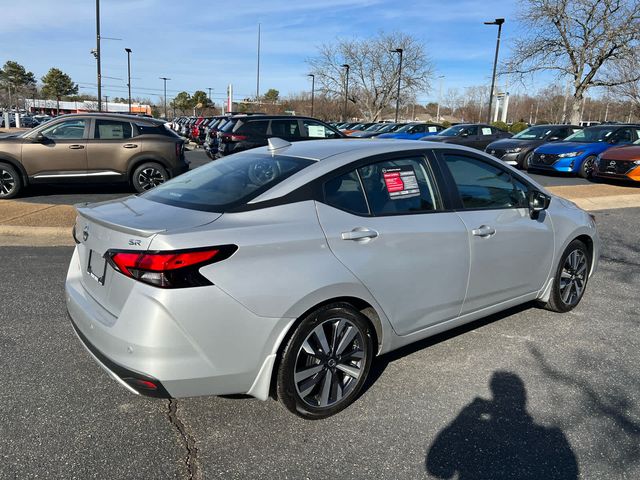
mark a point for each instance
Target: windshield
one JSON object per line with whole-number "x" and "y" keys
{"x": 227, "y": 183}
{"x": 452, "y": 131}
{"x": 592, "y": 134}
{"x": 375, "y": 127}
{"x": 533, "y": 133}
{"x": 405, "y": 128}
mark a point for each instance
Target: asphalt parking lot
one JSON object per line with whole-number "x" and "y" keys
{"x": 526, "y": 394}
{"x": 69, "y": 194}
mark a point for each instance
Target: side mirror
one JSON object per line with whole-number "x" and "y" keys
{"x": 39, "y": 138}
{"x": 538, "y": 202}
{"x": 553, "y": 139}
{"x": 464, "y": 134}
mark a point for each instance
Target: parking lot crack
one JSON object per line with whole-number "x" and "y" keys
{"x": 191, "y": 461}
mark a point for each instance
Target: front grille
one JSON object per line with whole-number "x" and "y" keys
{"x": 496, "y": 152}
{"x": 544, "y": 158}
{"x": 618, "y": 167}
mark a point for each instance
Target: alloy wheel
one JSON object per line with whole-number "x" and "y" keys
{"x": 573, "y": 277}
{"x": 329, "y": 363}
{"x": 150, "y": 177}
{"x": 7, "y": 182}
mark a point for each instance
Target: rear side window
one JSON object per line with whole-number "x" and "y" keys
{"x": 485, "y": 186}
{"x": 227, "y": 183}
{"x": 258, "y": 127}
{"x": 345, "y": 193}
{"x": 285, "y": 128}
{"x": 149, "y": 129}
{"x": 112, "y": 130}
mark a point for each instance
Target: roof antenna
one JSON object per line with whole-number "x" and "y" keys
{"x": 276, "y": 143}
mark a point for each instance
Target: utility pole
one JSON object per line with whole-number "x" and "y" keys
{"x": 209, "y": 88}
{"x": 439, "y": 99}
{"x": 498, "y": 22}
{"x": 258, "y": 71}
{"x": 165, "y": 95}
{"x": 313, "y": 88}
{"x": 128, "y": 50}
{"x": 346, "y": 92}
{"x": 98, "y": 55}
{"x": 398, "y": 50}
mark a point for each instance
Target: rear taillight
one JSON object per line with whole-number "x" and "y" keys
{"x": 230, "y": 137}
{"x": 179, "y": 150}
{"x": 177, "y": 269}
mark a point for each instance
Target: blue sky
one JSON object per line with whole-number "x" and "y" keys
{"x": 201, "y": 44}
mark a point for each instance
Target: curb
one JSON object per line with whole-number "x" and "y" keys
{"x": 35, "y": 236}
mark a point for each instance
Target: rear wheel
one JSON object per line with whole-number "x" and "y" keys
{"x": 571, "y": 278}
{"x": 586, "y": 169}
{"x": 10, "y": 181}
{"x": 148, "y": 175}
{"x": 325, "y": 362}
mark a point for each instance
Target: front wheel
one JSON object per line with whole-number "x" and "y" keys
{"x": 325, "y": 362}
{"x": 526, "y": 161}
{"x": 10, "y": 181}
{"x": 148, "y": 175}
{"x": 571, "y": 278}
{"x": 586, "y": 169}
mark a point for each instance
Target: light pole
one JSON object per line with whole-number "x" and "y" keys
{"x": 439, "y": 99}
{"x": 398, "y": 50}
{"x": 128, "y": 50}
{"x": 346, "y": 93}
{"x": 313, "y": 88}
{"x": 165, "y": 95}
{"x": 498, "y": 22}
{"x": 98, "y": 55}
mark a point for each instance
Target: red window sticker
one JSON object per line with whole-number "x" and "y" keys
{"x": 401, "y": 182}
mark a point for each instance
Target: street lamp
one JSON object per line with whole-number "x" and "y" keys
{"x": 128, "y": 50}
{"x": 498, "y": 22}
{"x": 398, "y": 50}
{"x": 346, "y": 92}
{"x": 439, "y": 99}
{"x": 165, "y": 96}
{"x": 97, "y": 55}
{"x": 313, "y": 87}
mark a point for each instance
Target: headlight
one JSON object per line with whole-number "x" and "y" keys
{"x": 637, "y": 162}
{"x": 569, "y": 154}
{"x": 514, "y": 150}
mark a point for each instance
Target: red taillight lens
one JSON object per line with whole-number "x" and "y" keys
{"x": 178, "y": 269}
{"x": 228, "y": 137}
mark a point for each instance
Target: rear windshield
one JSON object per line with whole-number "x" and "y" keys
{"x": 227, "y": 183}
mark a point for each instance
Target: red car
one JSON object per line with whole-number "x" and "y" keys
{"x": 620, "y": 162}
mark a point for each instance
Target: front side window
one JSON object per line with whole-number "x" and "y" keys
{"x": 399, "y": 187}
{"x": 67, "y": 130}
{"x": 227, "y": 183}
{"x": 485, "y": 186}
{"x": 112, "y": 130}
{"x": 285, "y": 128}
{"x": 317, "y": 130}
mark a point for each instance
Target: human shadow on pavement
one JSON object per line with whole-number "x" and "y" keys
{"x": 497, "y": 439}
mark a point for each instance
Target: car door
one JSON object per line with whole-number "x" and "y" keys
{"x": 511, "y": 253}
{"x": 468, "y": 137}
{"x": 386, "y": 222}
{"x": 61, "y": 152}
{"x": 110, "y": 147}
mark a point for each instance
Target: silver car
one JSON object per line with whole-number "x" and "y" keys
{"x": 284, "y": 270}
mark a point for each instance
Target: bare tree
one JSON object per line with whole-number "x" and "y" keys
{"x": 373, "y": 72}
{"x": 628, "y": 70}
{"x": 581, "y": 39}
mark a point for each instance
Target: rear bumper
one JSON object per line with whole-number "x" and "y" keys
{"x": 179, "y": 170}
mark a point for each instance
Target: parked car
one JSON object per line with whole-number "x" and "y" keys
{"x": 470, "y": 135}
{"x": 414, "y": 131}
{"x": 578, "y": 152}
{"x": 92, "y": 147}
{"x": 358, "y": 127}
{"x": 622, "y": 163}
{"x": 518, "y": 150}
{"x": 378, "y": 130}
{"x": 294, "y": 265}
{"x": 243, "y": 132}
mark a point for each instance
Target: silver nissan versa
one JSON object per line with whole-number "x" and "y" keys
{"x": 285, "y": 270}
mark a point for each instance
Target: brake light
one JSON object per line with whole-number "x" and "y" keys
{"x": 230, "y": 137}
{"x": 178, "y": 269}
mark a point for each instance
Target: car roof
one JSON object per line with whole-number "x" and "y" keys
{"x": 114, "y": 116}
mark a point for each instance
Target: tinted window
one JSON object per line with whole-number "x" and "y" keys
{"x": 112, "y": 130}
{"x": 623, "y": 135}
{"x": 67, "y": 130}
{"x": 285, "y": 128}
{"x": 482, "y": 185}
{"x": 345, "y": 193}
{"x": 399, "y": 186}
{"x": 147, "y": 129}
{"x": 254, "y": 128}
{"x": 226, "y": 183}
{"x": 471, "y": 130}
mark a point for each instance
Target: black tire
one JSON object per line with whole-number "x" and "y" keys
{"x": 148, "y": 175}
{"x": 356, "y": 356}
{"x": 556, "y": 301}
{"x": 10, "y": 181}
{"x": 586, "y": 169}
{"x": 526, "y": 161}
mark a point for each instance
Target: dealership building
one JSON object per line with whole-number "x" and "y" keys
{"x": 49, "y": 107}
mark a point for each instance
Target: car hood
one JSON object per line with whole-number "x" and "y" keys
{"x": 507, "y": 143}
{"x": 624, "y": 152}
{"x": 565, "y": 147}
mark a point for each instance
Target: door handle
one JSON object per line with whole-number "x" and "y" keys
{"x": 359, "y": 234}
{"x": 76, "y": 147}
{"x": 483, "y": 231}
{"x": 130, "y": 145}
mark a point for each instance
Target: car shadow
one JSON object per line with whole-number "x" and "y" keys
{"x": 498, "y": 439}
{"x": 67, "y": 192}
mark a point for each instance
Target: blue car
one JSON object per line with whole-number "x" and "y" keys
{"x": 414, "y": 131}
{"x": 578, "y": 152}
